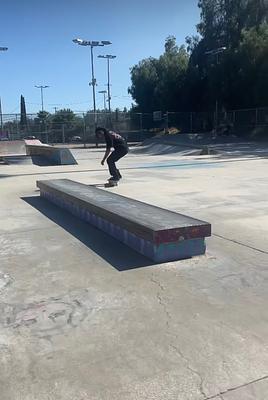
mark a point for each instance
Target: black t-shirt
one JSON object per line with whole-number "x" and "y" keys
{"x": 114, "y": 140}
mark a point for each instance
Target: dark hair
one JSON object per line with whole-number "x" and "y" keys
{"x": 99, "y": 128}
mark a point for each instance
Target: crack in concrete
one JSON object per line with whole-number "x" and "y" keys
{"x": 190, "y": 368}
{"x": 186, "y": 360}
{"x": 170, "y": 333}
{"x": 157, "y": 283}
{"x": 236, "y": 388}
{"x": 160, "y": 300}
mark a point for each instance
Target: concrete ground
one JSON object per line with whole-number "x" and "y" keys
{"x": 84, "y": 317}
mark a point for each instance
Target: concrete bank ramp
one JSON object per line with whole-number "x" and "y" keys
{"x": 185, "y": 145}
{"x": 162, "y": 148}
{"x": 34, "y": 152}
{"x": 53, "y": 155}
{"x": 194, "y": 145}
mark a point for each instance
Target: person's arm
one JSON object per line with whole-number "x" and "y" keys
{"x": 106, "y": 155}
{"x": 109, "y": 144}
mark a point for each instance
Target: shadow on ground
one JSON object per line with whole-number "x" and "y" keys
{"x": 6, "y": 176}
{"x": 114, "y": 252}
{"x": 27, "y": 160}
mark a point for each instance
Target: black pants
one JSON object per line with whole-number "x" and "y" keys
{"x": 111, "y": 160}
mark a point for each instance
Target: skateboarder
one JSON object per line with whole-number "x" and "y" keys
{"x": 119, "y": 144}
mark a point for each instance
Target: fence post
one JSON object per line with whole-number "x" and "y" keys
{"x": 256, "y": 118}
{"x": 46, "y": 131}
{"x": 167, "y": 122}
{"x": 63, "y": 133}
{"x": 17, "y": 125}
{"x": 233, "y": 118}
{"x": 216, "y": 118}
{"x": 141, "y": 127}
{"x": 84, "y": 130}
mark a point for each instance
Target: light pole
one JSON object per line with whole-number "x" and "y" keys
{"x": 92, "y": 44}
{"x": 108, "y": 58}
{"x": 104, "y": 98}
{"x": 42, "y": 98}
{"x": 216, "y": 52}
{"x": 1, "y": 117}
{"x": 1, "y": 113}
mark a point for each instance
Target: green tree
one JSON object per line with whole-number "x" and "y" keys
{"x": 65, "y": 116}
{"x": 247, "y": 85}
{"x": 144, "y": 78}
{"x": 238, "y": 25}
{"x": 172, "y": 68}
{"x": 43, "y": 115}
{"x": 193, "y": 78}
{"x": 23, "y": 115}
{"x": 68, "y": 121}
{"x": 158, "y": 84}
{"x": 256, "y": 13}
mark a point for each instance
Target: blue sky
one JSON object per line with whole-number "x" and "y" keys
{"x": 39, "y": 37}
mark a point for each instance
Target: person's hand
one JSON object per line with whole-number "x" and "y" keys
{"x": 102, "y": 163}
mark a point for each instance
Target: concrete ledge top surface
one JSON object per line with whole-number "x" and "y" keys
{"x": 34, "y": 142}
{"x": 130, "y": 213}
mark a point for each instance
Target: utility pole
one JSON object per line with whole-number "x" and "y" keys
{"x": 42, "y": 98}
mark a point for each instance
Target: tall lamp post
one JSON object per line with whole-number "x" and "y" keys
{"x": 92, "y": 44}
{"x": 108, "y": 58}
{"x": 216, "y": 52}
{"x": 42, "y": 97}
{"x": 1, "y": 113}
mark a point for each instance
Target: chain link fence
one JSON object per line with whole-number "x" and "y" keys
{"x": 67, "y": 126}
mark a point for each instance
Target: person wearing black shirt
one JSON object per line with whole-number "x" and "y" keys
{"x": 112, "y": 139}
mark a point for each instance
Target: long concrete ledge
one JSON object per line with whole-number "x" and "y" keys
{"x": 55, "y": 155}
{"x": 159, "y": 234}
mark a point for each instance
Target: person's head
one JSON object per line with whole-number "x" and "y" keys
{"x": 99, "y": 132}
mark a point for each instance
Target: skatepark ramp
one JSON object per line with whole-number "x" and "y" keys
{"x": 184, "y": 144}
{"x": 54, "y": 155}
{"x": 158, "y": 234}
{"x": 13, "y": 152}
{"x": 34, "y": 152}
